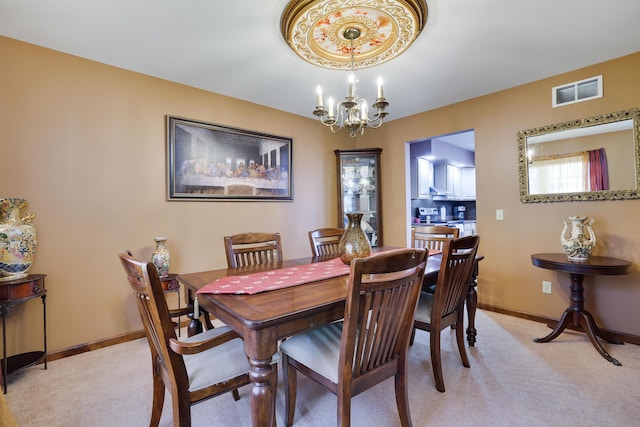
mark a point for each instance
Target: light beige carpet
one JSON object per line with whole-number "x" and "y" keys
{"x": 512, "y": 382}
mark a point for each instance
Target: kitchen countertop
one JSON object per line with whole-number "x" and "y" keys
{"x": 451, "y": 221}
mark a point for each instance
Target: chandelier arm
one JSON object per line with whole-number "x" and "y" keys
{"x": 352, "y": 112}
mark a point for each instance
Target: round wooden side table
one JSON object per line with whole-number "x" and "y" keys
{"x": 576, "y": 315}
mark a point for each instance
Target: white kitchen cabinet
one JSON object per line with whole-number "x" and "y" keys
{"x": 454, "y": 181}
{"x": 458, "y": 182}
{"x": 425, "y": 177}
{"x": 468, "y": 183}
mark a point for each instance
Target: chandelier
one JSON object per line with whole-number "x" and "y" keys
{"x": 351, "y": 113}
{"x": 350, "y": 34}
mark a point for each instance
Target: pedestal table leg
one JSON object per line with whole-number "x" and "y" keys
{"x": 577, "y": 316}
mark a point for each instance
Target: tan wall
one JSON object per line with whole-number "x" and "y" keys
{"x": 84, "y": 143}
{"x": 507, "y": 278}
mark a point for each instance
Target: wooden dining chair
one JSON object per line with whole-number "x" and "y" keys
{"x": 445, "y": 307}
{"x": 325, "y": 241}
{"x": 197, "y": 368}
{"x": 432, "y": 236}
{"x": 370, "y": 344}
{"x": 247, "y": 249}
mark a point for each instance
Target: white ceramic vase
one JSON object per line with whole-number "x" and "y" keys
{"x": 575, "y": 242}
{"x": 18, "y": 239}
{"x": 160, "y": 256}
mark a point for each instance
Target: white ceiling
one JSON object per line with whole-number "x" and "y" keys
{"x": 468, "y": 48}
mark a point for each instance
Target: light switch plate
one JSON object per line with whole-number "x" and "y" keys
{"x": 499, "y": 215}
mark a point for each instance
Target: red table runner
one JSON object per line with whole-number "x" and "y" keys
{"x": 276, "y": 279}
{"x": 270, "y": 280}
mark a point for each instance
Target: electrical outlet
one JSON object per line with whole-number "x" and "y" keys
{"x": 546, "y": 287}
{"x": 499, "y": 215}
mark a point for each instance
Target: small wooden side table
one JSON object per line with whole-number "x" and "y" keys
{"x": 576, "y": 315}
{"x": 12, "y": 293}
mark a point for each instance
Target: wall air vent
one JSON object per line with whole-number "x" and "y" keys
{"x": 577, "y": 91}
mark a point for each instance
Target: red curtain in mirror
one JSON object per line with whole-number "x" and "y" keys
{"x": 598, "y": 170}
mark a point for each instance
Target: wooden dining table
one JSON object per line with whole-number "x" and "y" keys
{"x": 262, "y": 319}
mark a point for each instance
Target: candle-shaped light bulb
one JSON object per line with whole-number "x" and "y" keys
{"x": 196, "y": 308}
{"x": 352, "y": 81}
{"x": 364, "y": 111}
{"x": 330, "y": 107}
{"x": 380, "y": 93}
{"x": 319, "y": 92}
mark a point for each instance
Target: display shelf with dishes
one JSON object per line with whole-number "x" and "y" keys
{"x": 358, "y": 178}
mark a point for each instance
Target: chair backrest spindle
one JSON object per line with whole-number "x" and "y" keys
{"x": 432, "y": 237}
{"x": 325, "y": 242}
{"x": 248, "y": 249}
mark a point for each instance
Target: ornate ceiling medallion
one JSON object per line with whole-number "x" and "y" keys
{"x": 315, "y": 29}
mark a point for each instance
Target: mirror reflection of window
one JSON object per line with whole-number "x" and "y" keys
{"x": 559, "y": 174}
{"x": 569, "y": 173}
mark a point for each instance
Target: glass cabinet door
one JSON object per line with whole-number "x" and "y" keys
{"x": 359, "y": 189}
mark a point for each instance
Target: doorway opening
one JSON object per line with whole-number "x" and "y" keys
{"x": 440, "y": 181}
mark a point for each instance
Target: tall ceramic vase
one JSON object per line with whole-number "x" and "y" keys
{"x": 160, "y": 256}
{"x": 574, "y": 238}
{"x": 354, "y": 242}
{"x": 18, "y": 239}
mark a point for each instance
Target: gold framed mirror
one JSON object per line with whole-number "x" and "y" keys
{"x": 595, "y": 158}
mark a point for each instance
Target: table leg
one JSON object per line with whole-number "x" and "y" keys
{"x": 576, "y": 315}
{"x": 44, "y": 327}
{"x": 207, "y": 320}
{"x": 262, "y": 393}
{"x": 3, "y": 374}
{"x": 590, "y": 328}
{"x": 565, "y": 320}
{"x": 472, "y": 305}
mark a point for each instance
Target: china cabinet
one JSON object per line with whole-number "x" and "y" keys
{"x": 359, "y": 189}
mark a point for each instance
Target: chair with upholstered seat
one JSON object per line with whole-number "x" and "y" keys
{"x": 445, "y": 307}
{"x": 200, "y": 367}
{"x": 325, "y": 241}
{"x": 247, "y": 249}
{"x": 370, "y": 344}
